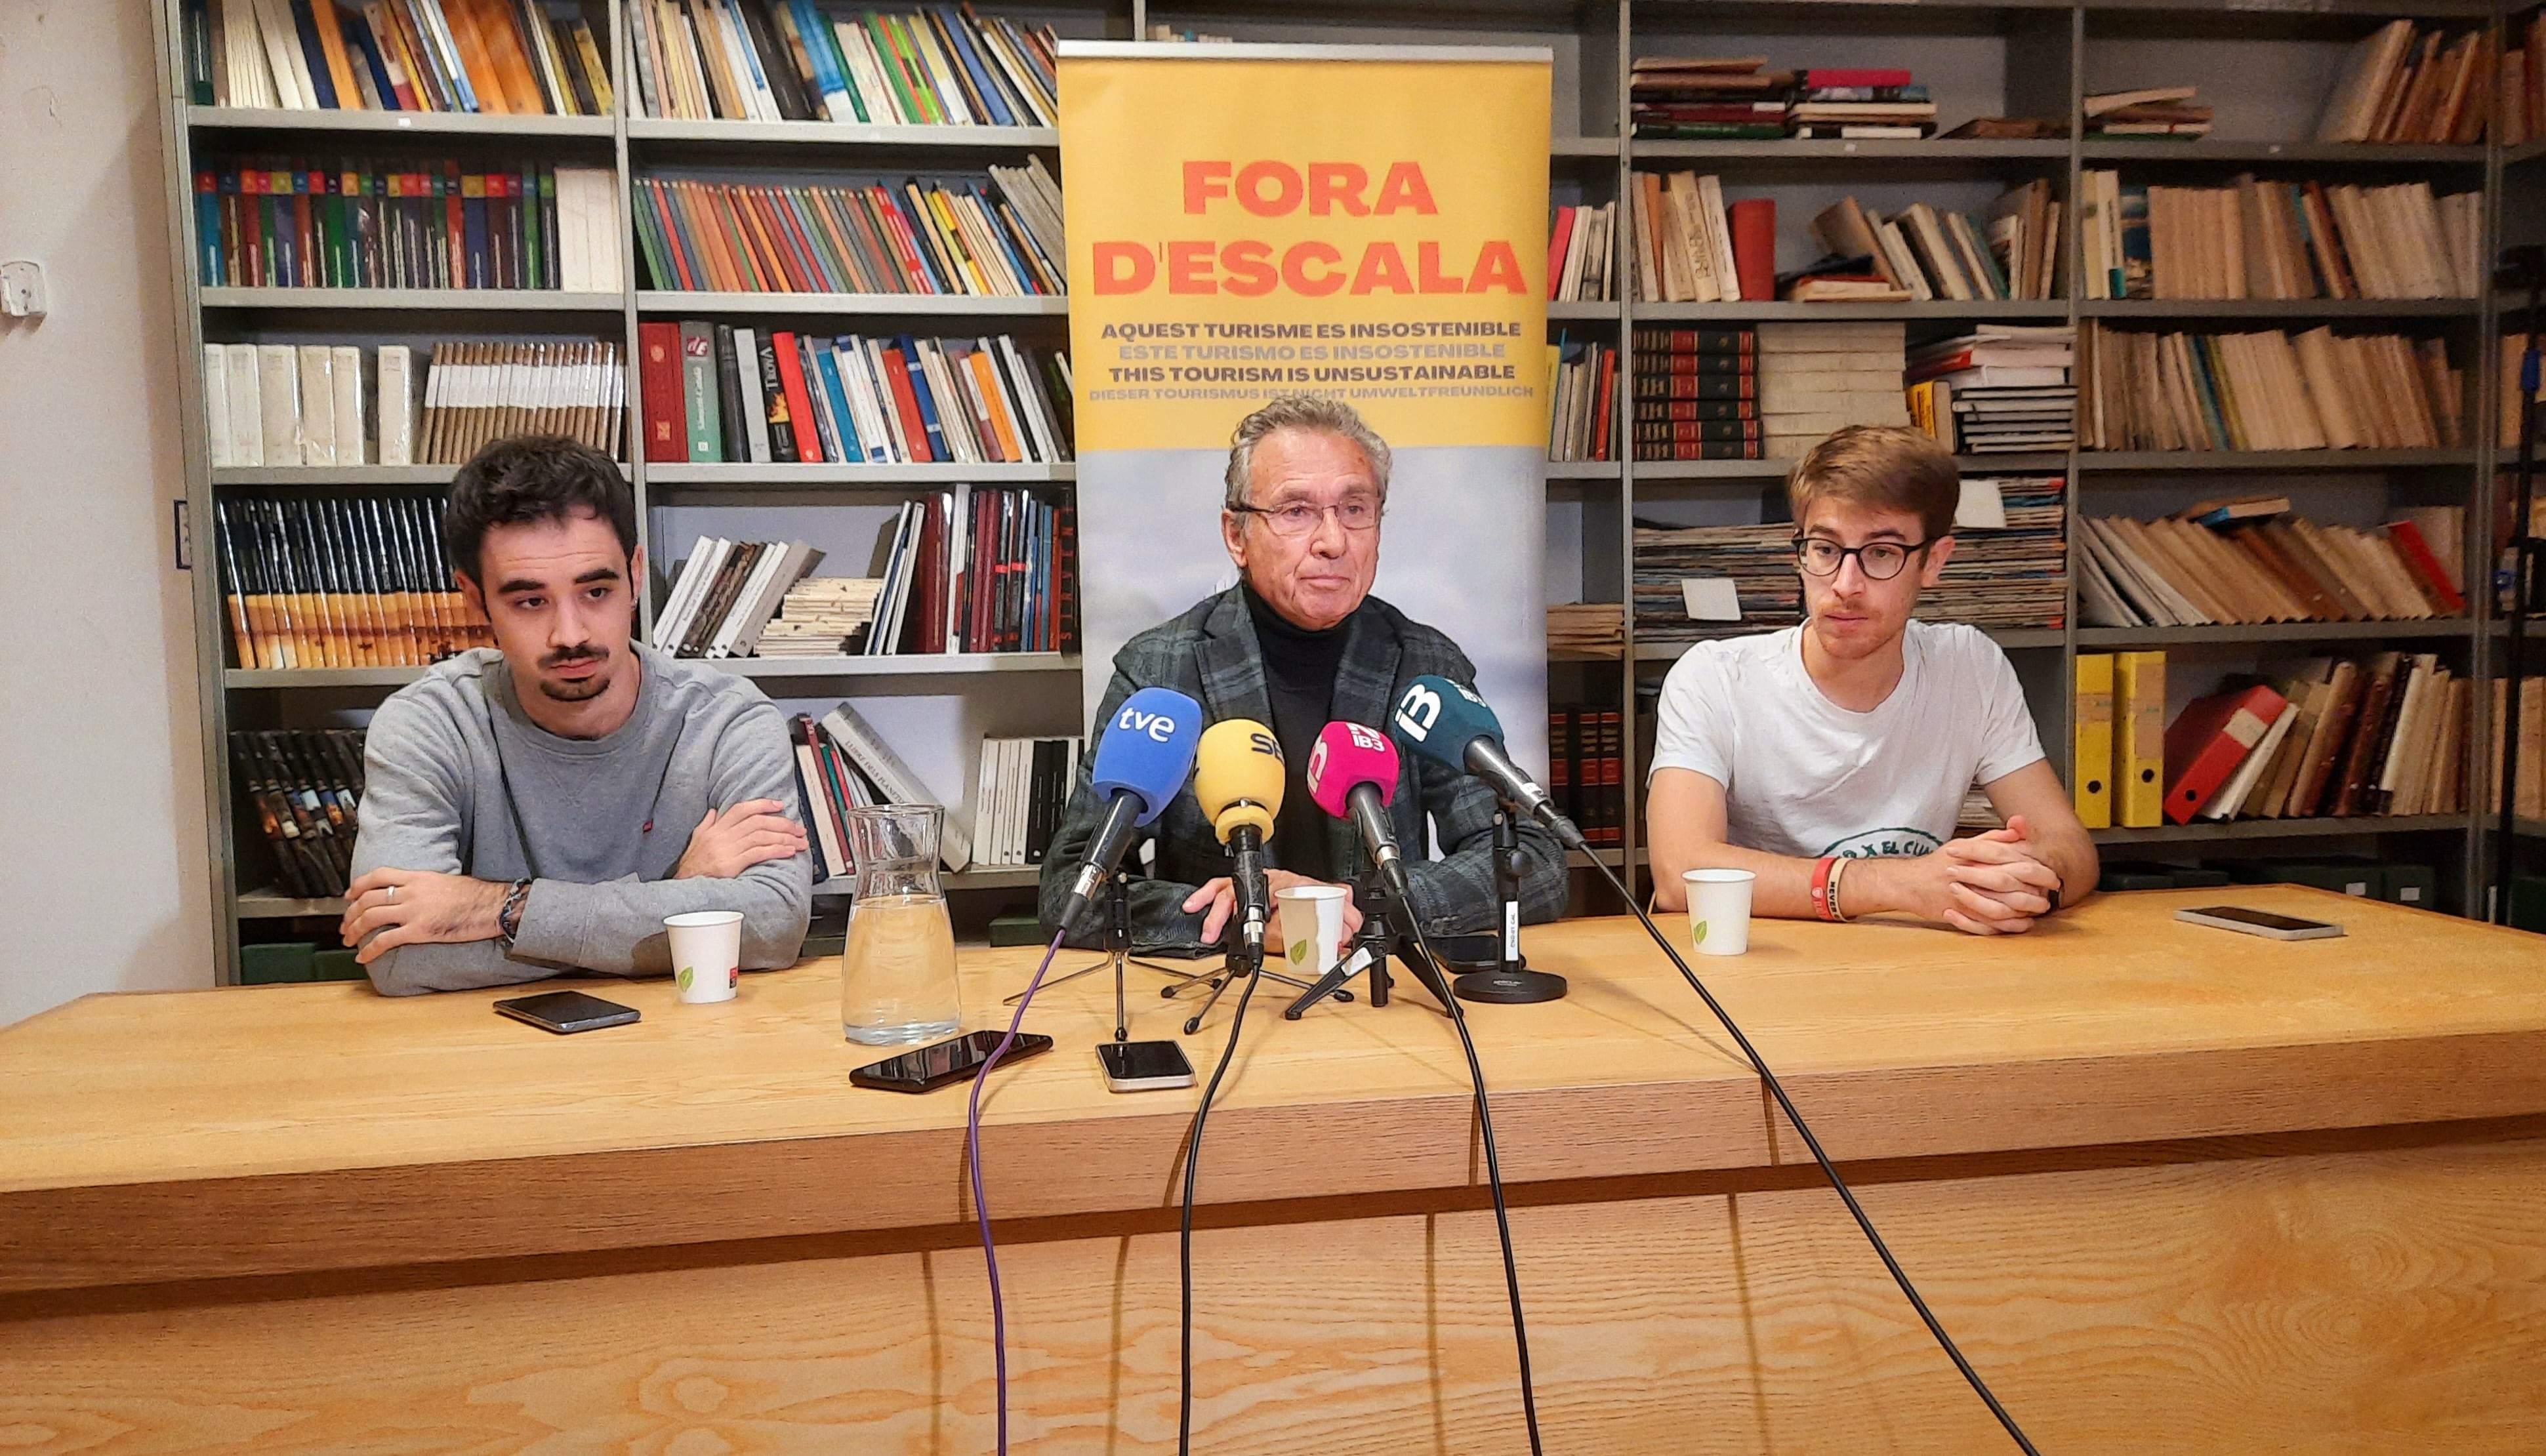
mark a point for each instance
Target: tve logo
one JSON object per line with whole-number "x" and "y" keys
{"x": 1158, "y": 726}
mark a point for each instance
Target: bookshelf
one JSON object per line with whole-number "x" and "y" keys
{"x": 2266, "y": 67}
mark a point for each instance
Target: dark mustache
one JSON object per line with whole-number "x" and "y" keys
{"x": 580, "y": 652}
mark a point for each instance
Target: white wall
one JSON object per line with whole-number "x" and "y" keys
{"x": 103, "y": 877}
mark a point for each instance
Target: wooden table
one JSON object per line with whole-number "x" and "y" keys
{"x": 2174, "y": 1190}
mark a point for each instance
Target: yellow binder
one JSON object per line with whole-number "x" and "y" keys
{"x": 2138, "y": 736}
{"x": 2090, "y": 777}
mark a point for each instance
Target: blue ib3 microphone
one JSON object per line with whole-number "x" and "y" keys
{"x": 1451, "y": 725}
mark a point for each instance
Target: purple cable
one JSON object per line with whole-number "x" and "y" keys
{"x": 980, "y": 1204}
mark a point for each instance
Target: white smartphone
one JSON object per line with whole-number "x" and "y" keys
{"x": 1143, "y": 1066}
{"x": 2259, "y": 923}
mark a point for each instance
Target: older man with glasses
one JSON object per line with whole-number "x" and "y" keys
{"x": 1296, "y": 643}
{"x": 1833, "y": 759}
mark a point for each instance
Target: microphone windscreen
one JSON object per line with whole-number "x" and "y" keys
{"x": 1147, "y": 749}
{"x": 1237, "y": 776}
{"x": 1349, "y": 755}
{"x": 1438, "y": 719}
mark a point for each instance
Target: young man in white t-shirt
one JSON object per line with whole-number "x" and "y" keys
{"x": 1832, "y": 758}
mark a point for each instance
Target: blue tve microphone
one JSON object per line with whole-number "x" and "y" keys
{"x": 1143, "y": 760}
{"x": 1451, "y": 725}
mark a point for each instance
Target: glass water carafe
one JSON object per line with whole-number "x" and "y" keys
{"x": 897, "y": 974}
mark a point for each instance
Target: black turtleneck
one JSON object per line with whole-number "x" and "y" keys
{"x": 1300, "y": 668}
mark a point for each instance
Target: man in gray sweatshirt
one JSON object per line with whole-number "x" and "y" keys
{"x": 542, "y": 805}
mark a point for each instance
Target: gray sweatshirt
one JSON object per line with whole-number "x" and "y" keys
{"x": 598, "y": 825}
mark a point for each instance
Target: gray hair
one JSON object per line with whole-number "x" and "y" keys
{"x": 1302, "y": 412}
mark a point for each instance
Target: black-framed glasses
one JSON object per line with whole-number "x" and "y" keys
{"x": 1880, "y": 561}
{"x": 1299, "y": 518}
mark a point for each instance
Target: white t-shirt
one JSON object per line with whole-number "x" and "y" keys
{"x": 1804, "y": 776}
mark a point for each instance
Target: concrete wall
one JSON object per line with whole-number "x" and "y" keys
{"x": 104, "y": 883}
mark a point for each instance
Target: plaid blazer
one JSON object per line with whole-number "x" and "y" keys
{"x": 1209, "y": 653}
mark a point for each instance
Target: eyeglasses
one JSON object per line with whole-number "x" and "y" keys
{"x": 1880, "y": 561}
{"x": 1354, "y": 513}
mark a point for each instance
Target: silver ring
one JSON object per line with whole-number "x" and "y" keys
{"x": 394, "y": 894}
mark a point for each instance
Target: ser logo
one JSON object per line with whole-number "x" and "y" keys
{"x": 1263, "y": 743}
{"x": 1158, "y": 726}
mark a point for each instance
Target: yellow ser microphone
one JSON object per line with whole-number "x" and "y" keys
{"x": 1238, "y": 782}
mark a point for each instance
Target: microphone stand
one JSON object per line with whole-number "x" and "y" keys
{"x": 1511, "y": 982}
{"x": 1118, "y": 956}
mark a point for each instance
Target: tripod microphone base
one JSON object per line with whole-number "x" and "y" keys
{"x": 1522, "y": 986}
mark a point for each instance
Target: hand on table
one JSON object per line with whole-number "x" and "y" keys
{"x": 1984, "y": 884}
{"x": 750, "y": 832}
{"x": 390, "y": 908}
{"x": 1221, "y": 898}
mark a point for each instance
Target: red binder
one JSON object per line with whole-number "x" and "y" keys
{"x": 1755, "y": 245}
{"x": 2209, "y": 739}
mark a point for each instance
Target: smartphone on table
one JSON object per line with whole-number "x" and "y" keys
{"x": 945, "y": 1063}
{"x": 1143, "y": 1066}
{"x": 2259, "y": 923}
{"x": 566, "y": 1012}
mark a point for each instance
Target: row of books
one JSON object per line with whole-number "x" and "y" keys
{"x": 820, "y": 617}
{"x": 304, "y": 786}
{"x": 965, "y": 237}
{"x": 1579, "y": 253}
{"x": 364, "y": 223}
{"x": 1587, "y": 770}
{"x": 1697, "y": 394}
{"x": 1690, "y": 248}
{"x": 726, "y": 592}
{"x": 843, "y": 763}
{"x": 2007, "y": 569}
{"x": 793, "y": 60}
{"x": 2383, "y": 735}
{"x": 2404, "y": 84}
{"x": 315, "y": 404}
{"x": 979, "y": 569}
{"x": 2267, "y": 391}
{"x": 2002, "y": 388}
{"x": 1737, "y": 98}
{"x": 1583, "y": 403}
{"x": 1019, "y": 795}
{"x": 2148, "y": 113}
{"x": 498, "y": 57}
{"x": 340, "y": 582}
{"x": 2256, "y": 239}
{"x": 2255, "y": 561}
{"x": 2009, "y": 250}
{"x": 732, "y": 394}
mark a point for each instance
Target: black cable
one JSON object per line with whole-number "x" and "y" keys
{"x": 1184, "y": 1239}
{"x": 1846, "y": 1195}
{"x": 1494, "y": 1178}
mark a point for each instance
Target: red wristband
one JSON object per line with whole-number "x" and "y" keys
{"x": 1821, "y": 887}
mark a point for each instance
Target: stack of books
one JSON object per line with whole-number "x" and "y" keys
{"x": 1873, "y": 103}
{"x": 406, "y": 223}
{"x": 1703, "y": 99}
{"x": 2402, "y": 85}
{"x": 1691, "y": 248}
{"x": 977, "y": 569}
{"x": 726, "y": 592}
{"x": 2267, "y": 391}
{"x": 1586, "y": 629}
{"x": 2010, "y": 562}
{"x": 784, "y": 60}
{"x": 340, "y": 582}
{"x": 1579, "y": 249}
{"x": 1814, "y": 378}
{"x": 396, "y": 55}
{"x": 2009, "y": 252}
{"x": 1697, "y": 394}
{"x": 2254, "y": 239}
{"x": 2154, "y": 113}
{"x": 2002, "y": 387}
{"x": 2252, "y": 561}
{"x": 732, "y": 394}
{"x": 305, "y": 786}
{"x": 2381, "y": 735}
{"x": 1758, "y": 560}
{"x": 1018, "y": 796}
{"x": 1584, "y": 403}
{"x": 820, "y": 617}
{"x": 942, "y": 237}
{"x": 1587, "y": 770}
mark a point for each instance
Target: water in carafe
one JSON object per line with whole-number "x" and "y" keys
{"x": 898, "y": 982}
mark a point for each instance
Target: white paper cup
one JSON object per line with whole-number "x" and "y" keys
{"x": 1311, "y": 921}
{"x": 706, "y": 953}
{"x": 1719, "y": 909}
